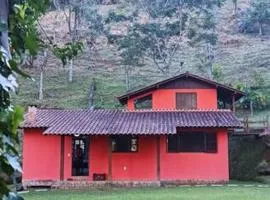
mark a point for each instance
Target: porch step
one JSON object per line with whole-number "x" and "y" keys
{"x": 86, "y": 184}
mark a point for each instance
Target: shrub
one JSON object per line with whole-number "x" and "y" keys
{"x": 245, "y": 155}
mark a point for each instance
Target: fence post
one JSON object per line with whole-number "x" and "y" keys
{"x": 267, "y": 122}
{"x": 247, "y": 126}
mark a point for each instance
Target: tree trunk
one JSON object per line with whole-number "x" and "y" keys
{"x": 127, "y": 77}
{"x": 70, "y": 71}
{"x": 260, "y": 29}
{"x": 4, "y": 41}
{"x": 40, "y": 92}
{"x": 92, "y": 90}
{"x": 210, "y": 69}
{"x": 41, "y": 78}
{"x": 210, "y": 59}
{"x": 235, "y": 7}
{"x": 251, "y": 108}
{"x": 56, "y": 4}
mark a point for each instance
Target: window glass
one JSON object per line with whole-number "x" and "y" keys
{"x": 192, "y": 142}
{"x": 143, "y": 102}
{"x": 124, "y": 143}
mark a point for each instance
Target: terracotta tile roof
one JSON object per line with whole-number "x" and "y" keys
{"x": 128, "y": 122}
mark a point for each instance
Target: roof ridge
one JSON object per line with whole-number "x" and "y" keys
{"x": 77, "y": 109}
{"x": 139, "y": 110}
{"x": 179, "y": 110}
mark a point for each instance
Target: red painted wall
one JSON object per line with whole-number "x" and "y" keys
{"x": 41, "y": 156}
{"x": 125, "y": 166}
{"x": 196, "y": 166}
{"x": 166, "y": 98}
{"x": 141, "y": 165}
{"x": 67, "y": 157}
{"x": 41, "y": 160}
{"x": 98, "y": 155}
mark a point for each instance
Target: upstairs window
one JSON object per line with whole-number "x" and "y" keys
{"x": 192, "y": 142}
{"x": 186, "y": 100}
{"x": 143, "y": 102}
{"x": 124, "y": 143}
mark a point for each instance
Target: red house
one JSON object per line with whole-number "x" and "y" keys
{"x": 171, "y": 131}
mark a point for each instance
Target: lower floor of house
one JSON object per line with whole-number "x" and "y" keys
{"x": 192, "y": 155}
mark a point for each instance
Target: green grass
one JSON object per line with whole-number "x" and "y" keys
{"x": 177, "y": 193}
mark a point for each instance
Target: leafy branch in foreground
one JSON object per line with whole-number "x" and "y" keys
{"x": 19, "y": 38}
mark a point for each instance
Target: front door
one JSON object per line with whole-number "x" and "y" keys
{"x": 80, "y": 161}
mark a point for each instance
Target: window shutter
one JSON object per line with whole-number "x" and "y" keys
{"x": 186, "y": 101}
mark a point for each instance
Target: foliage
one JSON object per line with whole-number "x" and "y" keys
{"x": 9, "y": 122}
{"x": 19, "y": 19}
{"x": 94, "y": 20}
{"x": 21, "y": 25}
{"x": 117, "y": 17}
{"x": 218, "y": 73}
{"x": 170, "y": 25}
{"x": 69, "y": 51}
{"x": 254, "y": 97}
{"x": 245, "y": 155}
{"x": 256, "y": 16}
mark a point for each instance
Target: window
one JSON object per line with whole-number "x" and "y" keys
{"x": 143, "y": 102}
{"x": 186, "y": 100}
{"x": 124, "y": 143}
{"x": 80, "y": 156}
{"x": 192, "y": 142}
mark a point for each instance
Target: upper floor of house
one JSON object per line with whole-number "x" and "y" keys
{"x": 185, "y": 91}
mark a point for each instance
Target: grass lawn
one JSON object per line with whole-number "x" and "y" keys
{"x": 176, "y": 193}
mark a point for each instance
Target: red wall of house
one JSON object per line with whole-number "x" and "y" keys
{"x": 98, "y": 155}
{"x": 67, "y": 157}
{"x": 125, "y": 166}
{"x": 41, "y": 156}
{"x": 166, "y": 98}
{"x": 141, "y": 165}
{"x": 196, "y": 166}
{"x": 41, "y": 160}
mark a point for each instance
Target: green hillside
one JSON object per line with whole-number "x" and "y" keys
{"x": 241, "y": 58}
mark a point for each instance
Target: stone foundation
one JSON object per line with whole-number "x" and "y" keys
{"x": 86, "y": 184}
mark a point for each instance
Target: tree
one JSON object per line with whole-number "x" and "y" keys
{"x": 131, "y": 54}
{"x": 170, "y": 26}
{"x": 80, "y": 14}
{"x": 253, "y": 99}
{"x": 19, "y": 38}
{"x": 42, "y": 67}
{"x": 235, "y": 6}
{"x": 258, "y": 13}
{"x": 73, "y": 17}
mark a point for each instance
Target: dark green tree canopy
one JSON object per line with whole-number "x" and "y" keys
{"x": 169, "y": 24}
